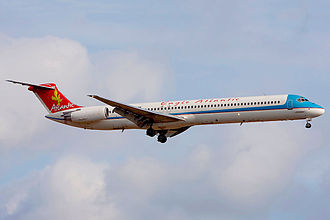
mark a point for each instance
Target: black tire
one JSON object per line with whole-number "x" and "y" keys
{"x": 308, "y": 125}
{"x": 151, "y": 132}
{"x": 162, "y": 138}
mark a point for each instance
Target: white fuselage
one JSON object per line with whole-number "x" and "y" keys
{"x": 207, "y": 111}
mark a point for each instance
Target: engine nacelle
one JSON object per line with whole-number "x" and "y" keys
{"x": 90, "y": 114}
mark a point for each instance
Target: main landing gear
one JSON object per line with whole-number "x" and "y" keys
{"x": 161, "y": 137}
{"x": 151, "y": 132}
{"x": 308, "y": 125}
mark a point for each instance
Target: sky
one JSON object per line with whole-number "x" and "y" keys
{"x": 145, "y": 51}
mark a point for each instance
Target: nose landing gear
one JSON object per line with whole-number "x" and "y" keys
{"x": 308, "y": 125}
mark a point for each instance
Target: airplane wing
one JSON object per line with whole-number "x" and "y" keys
{"x": 175, "y": 132}
{"x": 139, "y": 116}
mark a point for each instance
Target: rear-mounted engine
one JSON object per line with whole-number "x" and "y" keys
{"x": 88, "y": 114}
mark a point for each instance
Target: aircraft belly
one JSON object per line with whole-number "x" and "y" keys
{"x": 112, "y": 124}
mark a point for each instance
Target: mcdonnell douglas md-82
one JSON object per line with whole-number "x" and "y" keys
{"x": 170, "y": 118}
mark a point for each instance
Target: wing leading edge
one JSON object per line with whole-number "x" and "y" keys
{"x": 139, "y": 116}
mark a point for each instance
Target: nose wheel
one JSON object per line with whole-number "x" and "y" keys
{"x": 308, "y": 125}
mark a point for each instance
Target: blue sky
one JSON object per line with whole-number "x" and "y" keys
{"x": 140, "y": 51}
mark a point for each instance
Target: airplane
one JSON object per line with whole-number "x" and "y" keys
{"x": 170, "y": 118}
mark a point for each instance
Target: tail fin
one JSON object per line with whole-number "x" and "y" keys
{"x": 51, "y": 98}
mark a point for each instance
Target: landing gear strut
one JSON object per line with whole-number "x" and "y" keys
{"x": 308, "y": 125}
{"x": 162, "y": 138}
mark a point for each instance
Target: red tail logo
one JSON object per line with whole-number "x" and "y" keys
{"x": 57, "y": 97}
{"x": 53, "y": 100}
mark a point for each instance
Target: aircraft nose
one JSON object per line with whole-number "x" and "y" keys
{"x": 318, "y": 112}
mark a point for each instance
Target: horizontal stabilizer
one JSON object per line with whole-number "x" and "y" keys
{"x": 29, "y": 84}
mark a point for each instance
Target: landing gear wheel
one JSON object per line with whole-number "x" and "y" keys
{"x": 162, "y": 138}
{"x": 308, "y": 125}
{"x": 151, "y": 132}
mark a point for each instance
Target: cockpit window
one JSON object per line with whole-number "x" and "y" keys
{"x": 302, "y": 99}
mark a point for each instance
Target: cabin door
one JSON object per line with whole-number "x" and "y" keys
{"x": 290, "y": 104}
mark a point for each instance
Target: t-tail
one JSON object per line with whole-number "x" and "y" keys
{"x": 51, "y": 98}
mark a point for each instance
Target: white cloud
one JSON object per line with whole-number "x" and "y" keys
{"x": 126, "y": 75}
{"x": 244, "y": 174}
{"x": 36, "y": 60}
{"x": 259, "y": 164}
{"x": 142, "y": 175}
{"x": 73, "y": 188}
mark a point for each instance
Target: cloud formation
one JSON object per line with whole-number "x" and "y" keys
{"x": 35, "y": 60}
{"x": 213, "y": 48}
{"x": 120, "y": 75}
{"x": 243, "y": 174}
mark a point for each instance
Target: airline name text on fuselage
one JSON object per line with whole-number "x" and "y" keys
{"x": 176, "y": 103}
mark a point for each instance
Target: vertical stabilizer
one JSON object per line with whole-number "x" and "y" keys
{"x": 52, "y": 99}
{"x": 48, "y": 94}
